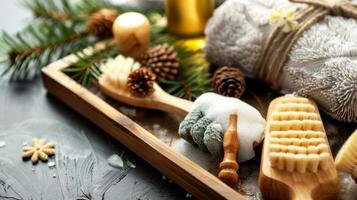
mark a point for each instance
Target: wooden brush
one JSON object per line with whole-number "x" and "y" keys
{"x": 229, "y": 166}
{"x": 346, "y": 159}
{"x": 296, "y": 161}
{"x": 158, "y": 100}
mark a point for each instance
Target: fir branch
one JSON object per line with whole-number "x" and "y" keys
{"x": 88, "y": 67}
{"x": 194, "y": 78}
{"x": 62, "y": 30}
{"x": 78, "y": 11}
{"x": 63, "y": 9}
{"x": 39, "y": 44}
{"x": 58, "y": 31}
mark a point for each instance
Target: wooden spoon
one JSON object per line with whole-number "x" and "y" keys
{"x": 158, "y": 100}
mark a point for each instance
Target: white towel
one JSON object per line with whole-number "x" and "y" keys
{"x": 322, "y": 64}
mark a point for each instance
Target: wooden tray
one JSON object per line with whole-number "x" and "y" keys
{"x": 171, "y": 155}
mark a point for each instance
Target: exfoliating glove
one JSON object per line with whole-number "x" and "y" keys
{"x": 321, "y": 65}
{"x": 208, "y": 120}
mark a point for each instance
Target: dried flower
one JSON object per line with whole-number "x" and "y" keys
{"x": 284, "y": 18}
{"x": 39, "y": 150}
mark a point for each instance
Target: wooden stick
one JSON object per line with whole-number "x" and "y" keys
{"x": 229, "y": 166}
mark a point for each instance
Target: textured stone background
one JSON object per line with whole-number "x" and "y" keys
{"x": 26, "y": 110}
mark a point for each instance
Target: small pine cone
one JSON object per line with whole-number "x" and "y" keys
{"x": 101, "y": 21}
{"x": 141, "y": 82}
{"x": 162, "y": 60}
{"x": 229, "y": 81}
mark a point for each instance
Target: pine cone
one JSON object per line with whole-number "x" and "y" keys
{"x": 229, "y": 81}
{"x": 101, "y": 21}
{"x": 162, "y": 60}
{"x": 141, "y": 82}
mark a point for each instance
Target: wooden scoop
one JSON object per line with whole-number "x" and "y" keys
{"x": 158, "y": 100}
{"x": 294, "y": 123}
{"x": 229, "y": 166}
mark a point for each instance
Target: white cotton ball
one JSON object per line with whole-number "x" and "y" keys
{"x": 251, "y": 124}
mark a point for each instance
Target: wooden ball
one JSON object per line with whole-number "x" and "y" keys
{"x": 131, "y": 33}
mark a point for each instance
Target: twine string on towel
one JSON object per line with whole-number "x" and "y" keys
{"x": 269, "y": 66}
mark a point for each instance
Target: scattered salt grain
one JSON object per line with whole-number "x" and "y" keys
{"x": 188, "y": 195}
{"x": 24, "y": 144}
{"x": 170, "y": 181}
{"x": 115, "y": 161}
{"x": 130, "y": 164}
{"x": 163, "y": 177}
{"x": 156, "y": 126}
{"x": 51, "y": 164}
{"x": 2, "y": 144}
{"x": 54, "y": 175}
{"x": 128, "y": 111}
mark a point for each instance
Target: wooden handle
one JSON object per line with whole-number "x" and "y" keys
{"x": 285, "y": 185}
{"x": 229, "y": 165}
{"x": 354, "y": 174}
{"x": 159, "y": 100}
{"x": 169, "y": 103}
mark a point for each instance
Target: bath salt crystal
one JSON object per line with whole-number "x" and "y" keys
{"x": 2, "y": 144}
{"x": 51, "y": 164}
{"x": 130, "y": 164}
{"x": 162, "y": 132}
{"x": 128, "y": 111}
{"x": 156, "y": 126}
{"x": 115, "y": 161}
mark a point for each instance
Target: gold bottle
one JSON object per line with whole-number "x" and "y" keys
{"x": 188, "y": 17}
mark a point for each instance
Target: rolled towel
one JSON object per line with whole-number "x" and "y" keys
{"x": 322, "y": 64}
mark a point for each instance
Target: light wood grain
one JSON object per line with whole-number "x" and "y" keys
{"x": 177, "y": 167}
{"x": 229, "y": 165}
{"x": 158, "y": 100}
{"x": 284, "y": 185}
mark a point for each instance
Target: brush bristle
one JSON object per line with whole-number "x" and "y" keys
{"x": 297, "y": 137}
{"x": 346, "y": 159}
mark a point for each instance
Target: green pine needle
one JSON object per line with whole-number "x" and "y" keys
{"x": 88, "y": 67}
{"x": 59, "y": 29}
{"x": 192, "y": 81}
{"x": 39, "y": 44}
{"x": 194, "y": 77}
{"x": 64, "y": 9}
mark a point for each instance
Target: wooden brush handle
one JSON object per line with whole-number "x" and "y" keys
{"x": 284, "y": 185}
{"x": 229, "y": 165}
{"x": 159, "y": 100}
{"x": 354, "y": 174}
